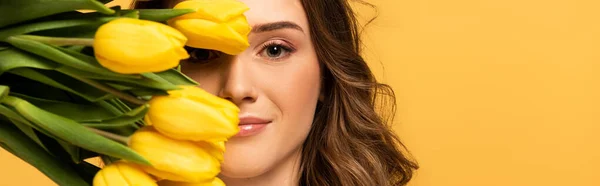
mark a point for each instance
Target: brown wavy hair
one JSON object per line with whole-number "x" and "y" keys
{"x": 351, "y": 142}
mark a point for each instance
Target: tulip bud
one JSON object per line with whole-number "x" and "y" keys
{"x": 130, "y": 46}
{"x": 174, "y": 159}
{"x": 122, "y": 173}
{"x": 216, "y": 24}
{"x": 214, "y": 182}
{"x": 193, "y": 114}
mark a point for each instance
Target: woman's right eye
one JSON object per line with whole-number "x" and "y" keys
{"x": 198, "y": 55}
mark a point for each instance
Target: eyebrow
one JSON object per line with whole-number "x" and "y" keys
{"x": 276, "y": 26}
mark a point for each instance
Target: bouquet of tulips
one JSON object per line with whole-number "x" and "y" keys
{"x": 106, "y": 84}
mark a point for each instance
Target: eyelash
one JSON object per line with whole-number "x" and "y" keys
{"x": 212, "y": 54}
{"x": 288, "y": 50}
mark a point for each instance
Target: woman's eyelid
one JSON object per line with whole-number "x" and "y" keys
{"x": 209, "y": 56}
{"x": 277, "y": 41}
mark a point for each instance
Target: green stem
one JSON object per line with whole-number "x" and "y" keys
{"x": 110, "y": 90}
{"x": 119, "y": 138}
{"x": 59, "y": 41}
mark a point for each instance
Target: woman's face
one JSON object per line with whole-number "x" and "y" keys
{"x": 275, "y": 83}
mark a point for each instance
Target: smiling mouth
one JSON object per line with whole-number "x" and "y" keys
{"x": 251, "y": 125}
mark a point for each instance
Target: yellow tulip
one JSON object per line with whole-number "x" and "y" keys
{"x": 193, "y": 114}
{"x": 216, "y": 24}
{"x": 122, "y": 174}
{"x": 131, "y": 46}
{"x": 172, "y": 159}
{"x": 215, "y": 149}
{"x": 214, "y": 182}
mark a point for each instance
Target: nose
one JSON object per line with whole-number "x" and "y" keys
{"x": 236, "y": 84}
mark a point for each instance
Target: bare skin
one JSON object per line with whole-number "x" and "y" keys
{"x": 277, "y": 81}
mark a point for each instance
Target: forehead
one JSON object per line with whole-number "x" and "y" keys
{"x": 266, "y": 11}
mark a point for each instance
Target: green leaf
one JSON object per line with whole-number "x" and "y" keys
{"x": 15, "y": 11}
{"x": 92, "y": 61}
{"x": 120, "y": 104}
{"x": 129, "y": 118}
{"x": 130, "y": 14}
{"x": 83, "y": 31}
{"x": 86, "y": 30}
{"x": 148, "y": 92}
{"x": 72, "y": 132}
{"x": 176, "y": 77}
{"x": 72, "y": 150}
{"x": 30, "y": 87}
{"x": 62, "y": 82}
{"x": 21, "y": 123}
{"x": 154, "y": 77}
{"x": 105, "y": 1}
{"x": 51, "y": 25}
{"x": 4, "y": 146}
{"x": 76, "y": 112}
{"x": 21, "y": 146}
{"x": 79, "y": 15}
{"x": 30, "y": 132}
{"x": 111, "y": 108}
{"x": 134, "y": 83}
{"x": 14, "y": 117}
{"x": 14, "y": 58}
{"x": 125, "y": 124}
{"x": 85, "y": 154}
{"x": 62, "y": 56}
{"x": 59, "y": 151}
{"x": 161, "y": 15}
{"x": 138, "y": 91}
{"x": 75, "y": 48}
{"x": 4, "y": 90}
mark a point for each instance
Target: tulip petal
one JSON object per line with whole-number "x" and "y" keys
{"x": 174, "y": 159}
{"x": 215, "y": 10}
{"x": 123, "y": 68}
{"x": 201, "y": 95}
{"x": 61, "y": 56}
{"x": 240, "y": 25}
{"x": 216, "y": 24}
{"x": 134, "y": 175}
{"x": 185, "y": 119}
{"x": 210, "y": 35}
{"x": 214, "y": 182}
{"x": 136, "y": 46}
{"x": 216, "y": 149}
{"x": 112, "y": 176}
{"x": 122, "y": 173}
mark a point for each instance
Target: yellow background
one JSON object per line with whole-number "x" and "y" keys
{"x": 490, "y": 92}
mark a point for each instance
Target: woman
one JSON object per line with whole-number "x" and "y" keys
{"x": 308, "y": 100}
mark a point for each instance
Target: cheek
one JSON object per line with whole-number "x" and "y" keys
{"x": 298, "y": 92}
{"x": 208, "y": 76}
{"x": 296, "y": 96}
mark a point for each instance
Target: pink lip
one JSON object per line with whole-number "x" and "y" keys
{"x": 251, "y": 125}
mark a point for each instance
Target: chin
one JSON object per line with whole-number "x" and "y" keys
{"x": 247, "y": 157}
{"x": 245, "y": 167}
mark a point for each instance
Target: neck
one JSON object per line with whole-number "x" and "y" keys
{"x": 286, "y": 173}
